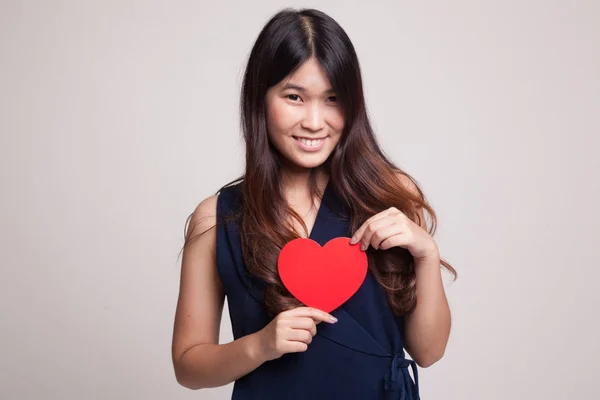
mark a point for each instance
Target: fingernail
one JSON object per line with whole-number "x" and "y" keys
{"x": 334, "y": 319}
{"x": 353, "y": 241}
{"x": 363, "y": 247}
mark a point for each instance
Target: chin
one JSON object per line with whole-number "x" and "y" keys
{"x": 310, "y": 165}
{"x": 308, "y": 162}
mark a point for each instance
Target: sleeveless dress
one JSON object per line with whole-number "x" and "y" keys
{"x": 359, "y": 357}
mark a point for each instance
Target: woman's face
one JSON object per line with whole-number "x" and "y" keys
{"x": 304, "y": 119}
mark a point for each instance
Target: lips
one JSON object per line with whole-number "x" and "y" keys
{"x": 310, "y": 144}
{"x": 309, "y": 138}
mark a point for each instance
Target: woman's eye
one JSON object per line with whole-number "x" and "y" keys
{"x": 295, "y": 97}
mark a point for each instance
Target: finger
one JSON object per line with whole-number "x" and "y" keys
{"x": 398, "y": 240}
{"x": 296, "y": 347}
{"x": 321, "y": 316}
{"x": 305, "y": 323}
{"x": 299, "y": 335}
{"x": 382, "y": 233}
{"x": 373, "y": 229}
{"x": 360, "y": 231}
{"x": 314, "y": 313}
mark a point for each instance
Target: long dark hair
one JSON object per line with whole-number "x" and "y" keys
{"x": 356, "y": 166}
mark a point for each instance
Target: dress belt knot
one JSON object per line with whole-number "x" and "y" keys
{"x": 398, "y": 383}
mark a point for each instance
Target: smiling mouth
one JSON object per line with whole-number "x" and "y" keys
{"x": 311, "y": 141}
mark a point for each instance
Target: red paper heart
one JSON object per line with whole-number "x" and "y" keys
{"x": 322, "y": 277}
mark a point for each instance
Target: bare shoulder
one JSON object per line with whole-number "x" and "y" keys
{"x": 204, "y": 216}
{"x": 414, "y": 189}
{"x": 207, "y": 207}
{"x": 409, "y": 184}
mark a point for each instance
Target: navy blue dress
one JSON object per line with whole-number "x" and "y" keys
{"x": 359, "y": 357}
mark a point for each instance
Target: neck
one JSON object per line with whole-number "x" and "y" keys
{"x": 298, "y": 180}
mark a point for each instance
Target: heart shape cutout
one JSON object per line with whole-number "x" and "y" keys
{"x": 322, "y": 277}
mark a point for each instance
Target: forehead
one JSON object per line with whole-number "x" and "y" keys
{"x": 310, "y": 76}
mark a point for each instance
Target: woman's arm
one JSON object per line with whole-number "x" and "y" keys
{"x": 427, "y": 328}
{"x": 199, "y": 361}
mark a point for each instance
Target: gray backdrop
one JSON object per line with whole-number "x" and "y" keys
{"x": 118, "y": 117}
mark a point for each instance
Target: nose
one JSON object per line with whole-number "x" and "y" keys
{"x": 313, "y": 119}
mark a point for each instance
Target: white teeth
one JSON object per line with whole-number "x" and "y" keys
{"x": 310, "y": 142}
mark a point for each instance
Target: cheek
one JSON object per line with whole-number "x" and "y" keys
{"x": 336, "y": 121}
{"x": 279, "y": 117}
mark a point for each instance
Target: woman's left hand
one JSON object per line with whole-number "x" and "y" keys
{"x": 391, "y": 228}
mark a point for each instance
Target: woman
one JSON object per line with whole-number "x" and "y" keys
{"x": 314, "y": 170}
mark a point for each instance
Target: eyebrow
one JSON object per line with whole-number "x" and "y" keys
{"x": 302, "y": 89}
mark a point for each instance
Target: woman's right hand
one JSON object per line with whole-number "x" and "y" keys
{"x": 290, "y": 331}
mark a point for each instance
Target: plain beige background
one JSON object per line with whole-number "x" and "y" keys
{"x": 118, "y": 117}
